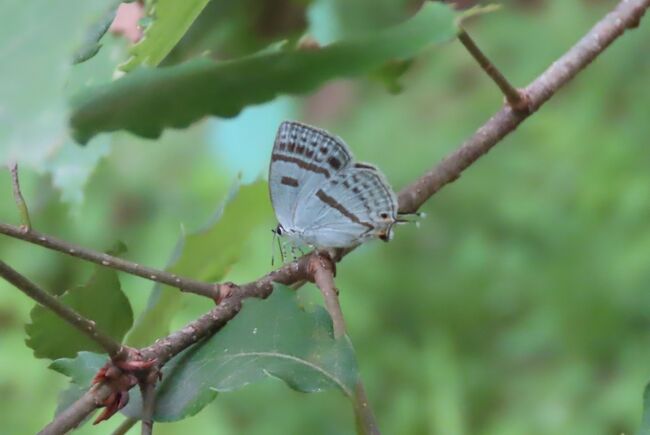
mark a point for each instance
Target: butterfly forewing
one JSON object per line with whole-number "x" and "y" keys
{"x": 303, "y": 158}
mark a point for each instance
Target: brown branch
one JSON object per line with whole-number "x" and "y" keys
{"x": 365, "y": 417}
{"x": 515, "y": 98}
{"x": 125, "y": 426}
{"x": 87, "y": 327}
{"x": 18, "y": 197}
{"x": 626, "y": 15}
{"x": 322, "y": 269}
{"x": 71, "y": 417}
{"x": 148, "y": 392}
{"x": 184, "y": 284}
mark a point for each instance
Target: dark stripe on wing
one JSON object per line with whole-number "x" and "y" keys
{"x": 301, "y": 163}
{"x": 344, "y": 211}
{"x": 365, "y": 166}
{"x": 288, "y": 181}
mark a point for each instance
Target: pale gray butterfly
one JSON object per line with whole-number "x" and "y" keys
{"x": 321, "y": 196}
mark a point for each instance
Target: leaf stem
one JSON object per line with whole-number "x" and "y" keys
{"x": 87, "y": 327}
{"x": 18, "y": 197}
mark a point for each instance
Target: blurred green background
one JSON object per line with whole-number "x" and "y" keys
{"x": 520, "y": 304}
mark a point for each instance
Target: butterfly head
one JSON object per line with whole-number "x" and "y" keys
{"x": 402, "y": 218}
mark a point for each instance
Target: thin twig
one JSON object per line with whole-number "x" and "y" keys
{"x": 365, "y": 417}
{"x": 322, "y": 269}
{"x": 72, "y": 416}
{"x": 514, "y": 97}
{"x": 148, "y": 392}
{"x": 626, "y": 15}
{"x": 18, "y": 197}
{"x": 125, "y": 426}
{"x": 189, "y": 285}
{"x": 85, "y": 326}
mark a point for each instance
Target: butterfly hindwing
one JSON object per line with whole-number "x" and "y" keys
{"x": 356, "y": 204}
{"x": 302, "y": 159}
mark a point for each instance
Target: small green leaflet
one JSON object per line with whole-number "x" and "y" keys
{"x": 101, "y": 299}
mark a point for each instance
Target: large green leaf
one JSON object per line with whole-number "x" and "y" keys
{"x": 101, "y": 299}
{"x": 205, "y": 255}
{"x": 269, "y": 338}
{"x": 149, "y": 100}
{"x": 171, "y": 19}
{"x": 38, "y": 39}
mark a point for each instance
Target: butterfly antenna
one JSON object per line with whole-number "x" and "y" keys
{"x": 273, "y": 247}
{"x": 410, "y": 218}
{"x": 281, "y": 249}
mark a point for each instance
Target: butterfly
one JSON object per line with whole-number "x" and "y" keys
{"x": 321, "y": 196}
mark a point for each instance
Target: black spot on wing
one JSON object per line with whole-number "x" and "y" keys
{"x": 289, "y": 181}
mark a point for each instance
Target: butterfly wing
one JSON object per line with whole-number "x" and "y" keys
{"x": 356, "y": 204}
{"x": 302, "y": 159}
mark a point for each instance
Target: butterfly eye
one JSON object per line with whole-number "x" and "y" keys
{"x": 383, "y": 215}
{"x": 278, "y": 230}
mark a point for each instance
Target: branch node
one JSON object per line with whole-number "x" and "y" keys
{"x": 516, "y": 98}
{"x": 224, "y": 291}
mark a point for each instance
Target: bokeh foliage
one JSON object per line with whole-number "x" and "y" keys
{"x": 518, "y": 306}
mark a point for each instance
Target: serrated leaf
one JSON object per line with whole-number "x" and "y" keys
{"x": 205, "y": 255}
{"x": 149, "y": 100}
{"x": 171, "y": 19}
{"x": 81, "y": 371}
{"x": 101, "y": 299}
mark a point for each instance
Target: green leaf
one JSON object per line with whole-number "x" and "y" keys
{"x": 645, "y": 421}
{"x": 91, "y": 45}
{"x": 149, "y": 100}
{"x": 37, "y": 38}
{"x": 171, "y": 19}
{"x": 268, "y": 338}
{"x": 81, "y": 371}
{"x": 101, "y": 299}
{"x": 205, "y": 255}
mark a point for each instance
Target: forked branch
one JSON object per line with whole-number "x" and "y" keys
{"x": 515, "y": 98}
{"x": 85, "y": 326}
